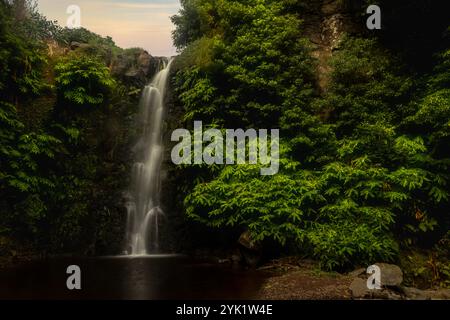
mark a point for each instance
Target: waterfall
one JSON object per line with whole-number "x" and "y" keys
{"x": 143, "y": 206}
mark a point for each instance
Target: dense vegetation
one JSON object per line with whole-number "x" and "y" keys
{"x": 365, "y": 164}
{"x": 59, "y": 168}
{"x": 364, "y": 169}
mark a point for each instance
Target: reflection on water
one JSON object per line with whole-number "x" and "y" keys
{"x": 155, "y": 277}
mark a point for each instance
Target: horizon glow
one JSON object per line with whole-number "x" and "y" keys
{"x": 130, "y": 23}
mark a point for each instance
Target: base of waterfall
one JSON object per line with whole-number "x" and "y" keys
{"x": 157, "y": 277}
{"x": 146, "y": 256}
{"x": 144, "y": 211}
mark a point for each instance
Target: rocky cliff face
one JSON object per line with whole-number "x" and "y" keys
{"x": 109, "y": 134}
{"x": 325, "y": 22}
{"x": 136, "y": 67}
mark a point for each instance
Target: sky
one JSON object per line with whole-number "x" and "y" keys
{"x": 131, "y": 23}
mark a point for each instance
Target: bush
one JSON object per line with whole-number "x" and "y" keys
{"x": 21, "y": 61}
{"x": 354, "y": 185}
{"x": 83, "y": 81}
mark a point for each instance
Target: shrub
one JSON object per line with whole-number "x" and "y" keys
{"x": 83, "y": 81}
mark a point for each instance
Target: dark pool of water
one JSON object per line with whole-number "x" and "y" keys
{"x": 163, "y": 277}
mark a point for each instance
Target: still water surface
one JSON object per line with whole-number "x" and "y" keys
{"x": 156, "y": 277}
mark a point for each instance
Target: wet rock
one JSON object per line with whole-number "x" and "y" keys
{"x": 247, "y": 241}
{"x": 391, "y": 275}
{"x": 333, "y": 27}
{"x": 417, "y": 294}
{"x": 250, "y": 249}
{"x": 144, "y": 62}
{"x": 386, "y": 294}
{"x": 224, "y": 261}
{"x": 394, "y": 295}
{"x": 236, "y": 258}
{"x": 414, "y": 294}
{"x": 251, "y": 259}
{"x": 120, "y": 65}
{"x": 359, "y": 289}
{"x": 391, "y": 278}
{"x": 136, "y": 66}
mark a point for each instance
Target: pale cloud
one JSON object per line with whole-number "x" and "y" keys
{"x": 137, "y": 23}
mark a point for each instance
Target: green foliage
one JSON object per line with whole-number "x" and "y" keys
{"x": 190, "y": 22}
{"x": 24, "y": 155}
{"x": 89, "y": 43}
{"x": 428, "y": 268}
{"x": 83, "y": 81}
{"x": 49, "y": 179}
{"x": 365, "y": 87}
{"x": 432, "y": 112}
{"x": 35, "y": 27}
{"x": 244, "y": 75}
{"x": 83, "y": 35}
{"x": 21, "y": 60}
{"x": 341, "y": 215}
{"x": 364, "y": 167}
{"x": 23, "y": 180}
{"x": 198, "y": 53}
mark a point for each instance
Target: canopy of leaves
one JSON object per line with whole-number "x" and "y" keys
{"x": 83, "y": 81}
{"x": 353, "y": 185}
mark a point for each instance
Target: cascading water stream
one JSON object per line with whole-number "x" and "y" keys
{"x": 144, "y": 210}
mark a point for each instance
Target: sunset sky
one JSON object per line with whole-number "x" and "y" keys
{"x": 131, "y": 23}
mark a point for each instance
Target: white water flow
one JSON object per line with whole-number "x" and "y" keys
{"x": 144, "y": 210}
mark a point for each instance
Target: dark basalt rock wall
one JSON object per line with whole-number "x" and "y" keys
{"x": 324, "y": 23}
{"x": 136, "y": 67}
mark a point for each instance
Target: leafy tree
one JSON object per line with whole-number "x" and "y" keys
{"x": 189, "y": 23}
{"x": 363, "y": 166}
{"x": 46, "y": 189}
{"x": 21, "y": 61}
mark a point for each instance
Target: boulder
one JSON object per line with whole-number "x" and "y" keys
{"x": 359, "y": 289}
{"x": 250, "y": 249}
{"x": 144, "y": 62}
{"x": 391, "y": 279}
{"x": 246, "y": 241}
{"x": 74, "y": 45}
{"x": 120, "y": 65}
{"x": 391, "y": 275}
{"x": 136, "y": 66}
